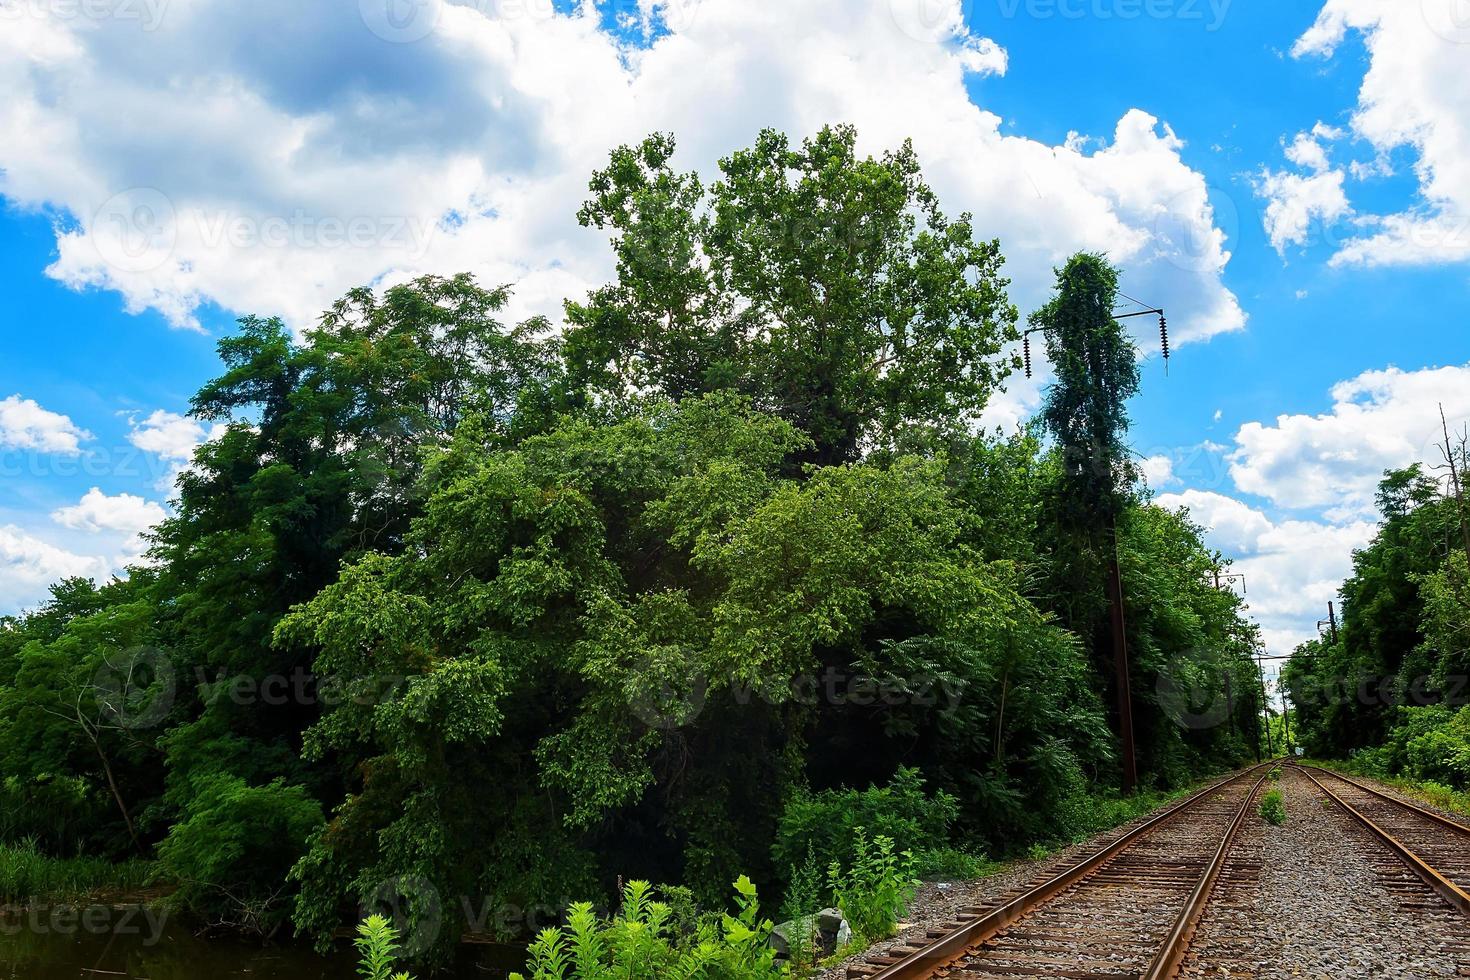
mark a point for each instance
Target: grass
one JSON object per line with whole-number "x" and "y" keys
{"x": 1103, "y": 813}
{"x": 27, "y": 875}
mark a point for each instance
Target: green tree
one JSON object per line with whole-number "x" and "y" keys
{"x": 1086, "y": 411}
{"x": 828, "y": 287}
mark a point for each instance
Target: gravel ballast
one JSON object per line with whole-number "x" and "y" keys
{"x": 1308, "y": 899}
{"x": 1320, "y": 905}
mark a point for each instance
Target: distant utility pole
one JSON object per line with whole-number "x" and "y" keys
{"x": 1265, "y": 705}
{"x": 1332, "y": 620}
{"x": 1229, "y": 701}
{"x": 1285, "y": 725}
{"x": 1449, "y": 458}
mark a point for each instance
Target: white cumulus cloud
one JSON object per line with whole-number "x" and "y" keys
{"x": 25, "y": 425}
{"x": 29, "y": 565}
{"x": 1292, "y": 568}
{"x": 1296, "y": 203}
{"x": 97, "y": 511}
{"x": 168, "y": 435}
{"x": 1414, "y": 95}
{"x": 206, "y": 160}
{"x": 1379, "y": 420}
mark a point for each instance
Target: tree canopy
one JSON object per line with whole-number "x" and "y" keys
{"x": 451, "y": 609}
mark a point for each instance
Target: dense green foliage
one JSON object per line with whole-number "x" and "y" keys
{"x": 1392, "y": 690}
{"x": 874, "y": 888}
{"x": 454, "y": 614}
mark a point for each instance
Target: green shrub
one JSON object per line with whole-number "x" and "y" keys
{"x": 1085, "y": 814}
{"x": 874, "y": 890}
{"x": 1273, "y": 808}
{"x": 951, "y": 864}
{"x": 377, "y": 947}
{"x": 234, "y": 848}
{"x": 825, "y": 824}
{"x": 637, "y": 944}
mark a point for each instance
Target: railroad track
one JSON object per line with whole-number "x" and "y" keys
{"x": 1434, "y": 849}
{"x": 1123, "y": 912}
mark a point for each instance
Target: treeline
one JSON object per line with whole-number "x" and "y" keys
{"x": 454, "y": 609}
{"x": 1391, "y": 687}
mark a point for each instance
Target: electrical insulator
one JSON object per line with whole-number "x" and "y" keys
{"x": 1026, "y": 346}
{"x": 1164, "y": 334}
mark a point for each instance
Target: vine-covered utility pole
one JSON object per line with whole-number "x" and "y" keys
{"x": 1096, "y": 366}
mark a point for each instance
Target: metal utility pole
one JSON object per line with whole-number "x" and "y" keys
{"x": 1120, "y": 660}
{"x": 1113, "y": 573}
{"x": 1229, "y": 701}
{"x": 1265, "y": 705}
{"x": 1285, "y": 727}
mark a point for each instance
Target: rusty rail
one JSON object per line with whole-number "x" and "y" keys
{"x": 946, "y": 950}
{"x": 1167, "y": 961}
{"x": 1446, "y": 888}
{"x": 1425, "y": 812}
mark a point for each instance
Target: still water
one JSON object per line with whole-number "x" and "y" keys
{"x": 104, "y": 943}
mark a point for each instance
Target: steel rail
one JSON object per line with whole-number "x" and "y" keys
{"x": 1425, "y": 812}
{"x": 951, "y": 947}
{"x": 1447, "y": 889}
{"x": 1170, "y": 956}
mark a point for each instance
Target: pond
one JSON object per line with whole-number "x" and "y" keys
{"x": 131, "y": 943}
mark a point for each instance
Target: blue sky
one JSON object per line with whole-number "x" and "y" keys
{"x": 1289, "y": 179}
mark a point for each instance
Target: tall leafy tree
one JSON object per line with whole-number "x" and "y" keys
{"x": 319, "y": 451}
{"x": 1086, "y": 409}
{"x": 828, "y": 287}
{"x": 1086, "y": 412}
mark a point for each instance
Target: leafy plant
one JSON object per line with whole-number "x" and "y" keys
{"x": 233, "y": 850}
{"x": 637, "y": 945}
{"x": 1273, "y": 808}
{"x": 803, "y": 898}
{"x": 874, "y": 890}
{"x": 377, "y": 947}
